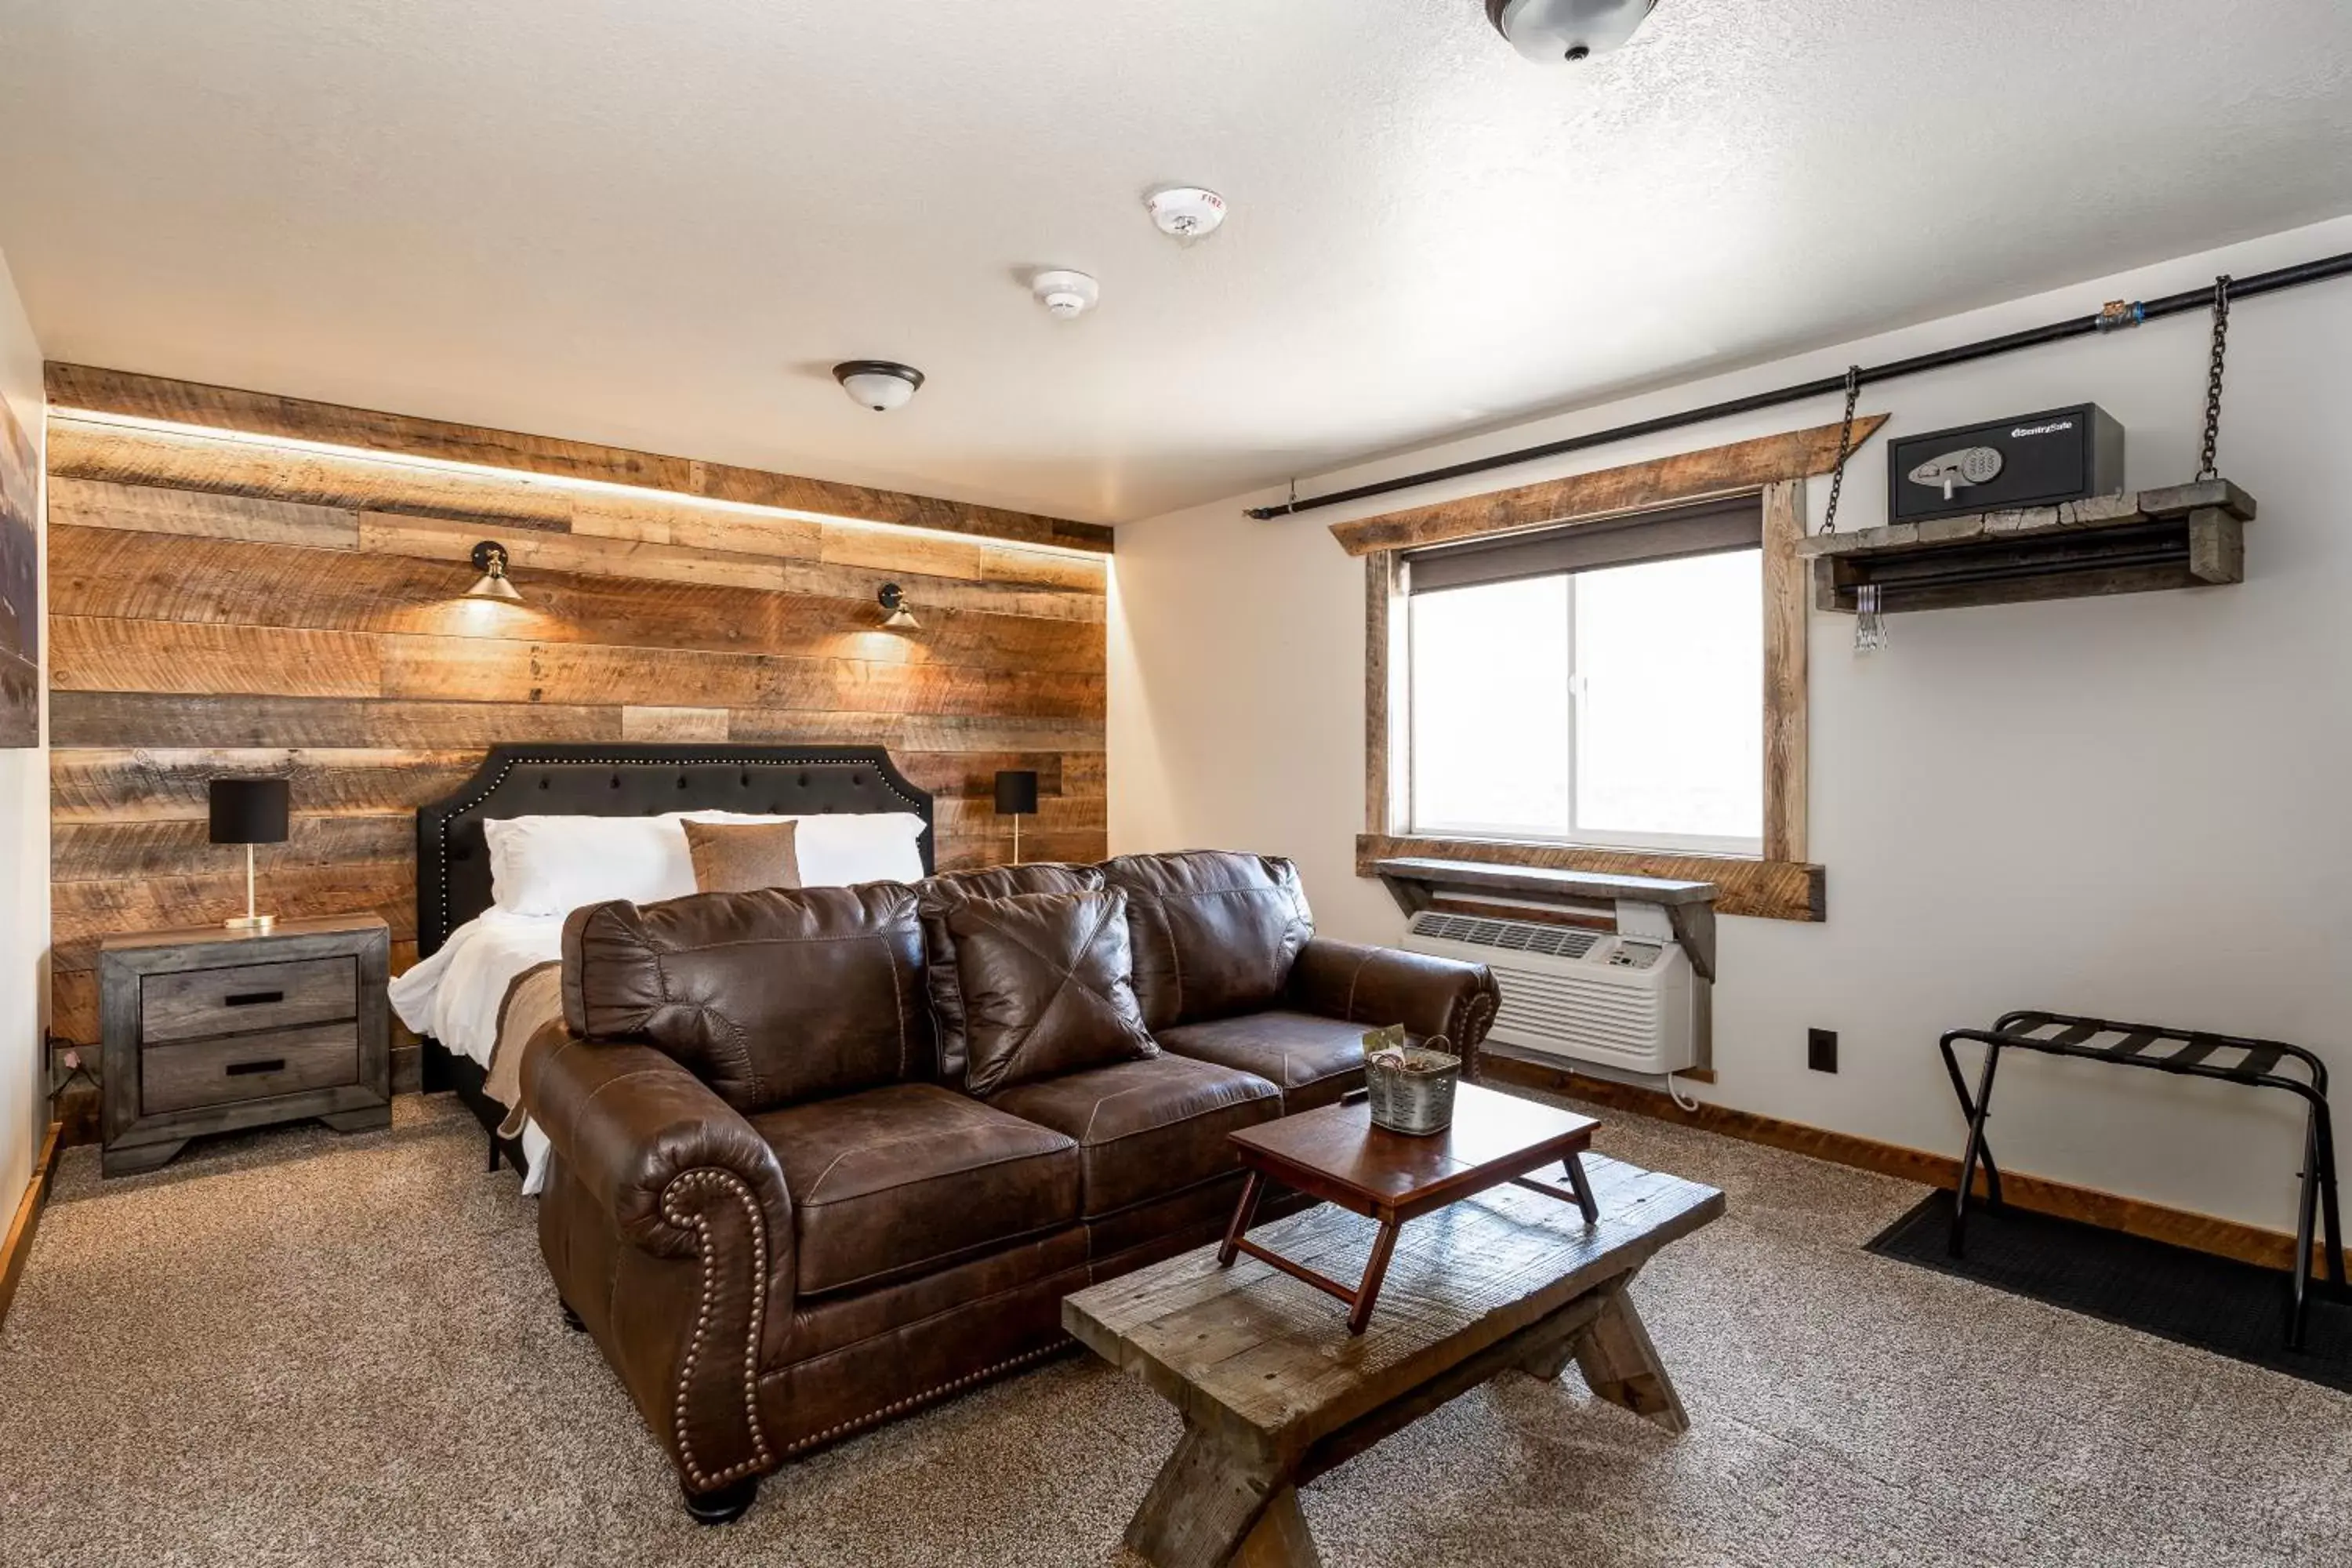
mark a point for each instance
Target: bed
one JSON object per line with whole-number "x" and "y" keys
{"x": 472, "y": 953}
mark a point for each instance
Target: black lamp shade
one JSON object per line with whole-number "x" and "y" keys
{"x": 1016, "y": 792}
{"x": 249, "y": 811}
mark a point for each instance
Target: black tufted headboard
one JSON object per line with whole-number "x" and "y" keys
{"x": 453, "y": 860}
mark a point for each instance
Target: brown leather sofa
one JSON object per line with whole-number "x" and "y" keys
{"x": 796, "y": 1189}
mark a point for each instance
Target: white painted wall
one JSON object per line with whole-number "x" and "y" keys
{"x": 23, "y": 838}
{"x": 2139, "y": 807}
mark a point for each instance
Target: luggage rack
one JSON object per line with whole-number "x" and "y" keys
{"x": 2189, "y": 1052}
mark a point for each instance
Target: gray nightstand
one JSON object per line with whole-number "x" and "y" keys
{"x": 213, "y": 1031}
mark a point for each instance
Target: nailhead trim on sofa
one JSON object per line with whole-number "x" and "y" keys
{"x": 900, "y": 1406}
{"x": 762, "y": 1458}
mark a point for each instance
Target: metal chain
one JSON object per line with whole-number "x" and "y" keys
{"x": 2205, "y": 469}
{"x": 1845, "y": 446}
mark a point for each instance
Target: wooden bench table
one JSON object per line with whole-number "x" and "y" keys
{"x": 1275, "y": 1390}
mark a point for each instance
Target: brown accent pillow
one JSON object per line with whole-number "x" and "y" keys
{"x": 943, "y": 892}
{"x": 743, "y": 856}
{"x": 1047, "y": 987}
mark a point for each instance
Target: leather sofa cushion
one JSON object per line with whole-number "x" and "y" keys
{"x": 1145, "y": 1129}
{"x": 1313, "y": 1060}
{"x": 912, "y": 1177}
{"x": 1047, "y": 987}
{"x": 937, "y": 895}
{"x": 770, "y": 997}
{"x": 1215, "y": 933}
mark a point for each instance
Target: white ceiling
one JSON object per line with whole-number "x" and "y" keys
{"x": 657, "y": 224}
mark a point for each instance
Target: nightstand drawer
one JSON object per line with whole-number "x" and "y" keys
{"x": 197, "y": 1003}
{"x": 247, "y": 1067}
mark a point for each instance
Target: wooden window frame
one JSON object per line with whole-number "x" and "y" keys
{"x": 1780, "y": 884}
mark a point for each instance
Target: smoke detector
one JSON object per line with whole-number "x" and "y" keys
{"x": 880, "y": 385}
{"x": 1186, "y": 212}
{"x": 1065, "y": 294}
{"x": 1548, "y": 30}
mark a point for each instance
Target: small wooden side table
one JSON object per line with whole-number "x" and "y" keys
{"x": 214, "y": 1031}
{"x": 1334, "y": 1152}
{"x": 1271, "y": 1396}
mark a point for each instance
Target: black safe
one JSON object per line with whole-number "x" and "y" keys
{"x": 2032, "y": 459}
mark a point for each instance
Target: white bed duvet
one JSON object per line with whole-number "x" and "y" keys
{"x": 455, "y": 995}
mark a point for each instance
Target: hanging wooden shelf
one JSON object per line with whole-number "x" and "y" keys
{"x": 2183, "y": 537}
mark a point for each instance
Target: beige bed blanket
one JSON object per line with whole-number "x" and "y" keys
{"x": 535, "y": 998}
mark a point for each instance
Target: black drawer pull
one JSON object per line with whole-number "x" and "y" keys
{"x": 252, "y": 998}
{"x": 271, "y": 1064}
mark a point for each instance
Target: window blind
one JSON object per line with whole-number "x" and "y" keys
{"x": 1704, "y": 528}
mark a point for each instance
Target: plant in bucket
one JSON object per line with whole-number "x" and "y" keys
{"x": 1409, "y": 1088}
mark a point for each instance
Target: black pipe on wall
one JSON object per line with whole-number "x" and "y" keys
{"x": 2270, "y": 282}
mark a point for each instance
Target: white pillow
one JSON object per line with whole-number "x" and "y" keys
{"x": 842, "y": 849}
{"x": 553, "y": 865}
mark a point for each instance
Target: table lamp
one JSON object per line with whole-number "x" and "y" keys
{"x": 249, "y": 812}
{"x": 1016, "y": 797}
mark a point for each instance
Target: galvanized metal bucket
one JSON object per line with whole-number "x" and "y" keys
{"x": 1409, "y": 1088}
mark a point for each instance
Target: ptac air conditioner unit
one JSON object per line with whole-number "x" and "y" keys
{"x": 1587, "y": 995}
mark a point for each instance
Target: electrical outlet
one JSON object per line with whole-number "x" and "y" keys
{"x": 1821, "y": 1050}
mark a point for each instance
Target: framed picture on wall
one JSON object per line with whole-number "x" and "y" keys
{"x": 20, "y": 587}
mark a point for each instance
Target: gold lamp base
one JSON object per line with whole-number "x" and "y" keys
{"x": 252, "y": 919}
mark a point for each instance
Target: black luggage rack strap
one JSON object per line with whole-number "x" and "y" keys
{"x": 2189, "y": 1052}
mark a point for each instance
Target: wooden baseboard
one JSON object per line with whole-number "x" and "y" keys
{"x": 19, "y": 1243}
{"x": 2204, "y": 1233}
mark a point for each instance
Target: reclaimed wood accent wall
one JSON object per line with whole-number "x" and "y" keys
{"x": 224, "y": 603}
{"x": 89, "y": 390}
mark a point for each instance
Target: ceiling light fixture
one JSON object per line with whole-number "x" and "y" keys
{"x": 1186, "y": 212}
{"x": 880, "y": 385}
{"x": 1548, "y": 30}
{"x": 893, "y": 598}
{"x": 1066, "y": 295}
{"x": 490, "y": 560}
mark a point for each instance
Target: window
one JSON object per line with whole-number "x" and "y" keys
{"x": 1599, "y": 685}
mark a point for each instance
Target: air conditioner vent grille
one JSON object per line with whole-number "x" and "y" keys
{"x": 1508, "y": 936}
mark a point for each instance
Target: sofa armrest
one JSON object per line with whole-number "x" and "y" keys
{"x": 631, "y": 1124}
{"x": 668, "y": 1227}
{"x": 1377, "y": 986}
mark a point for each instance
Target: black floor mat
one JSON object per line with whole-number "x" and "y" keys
{"x": 2231, "y": 1309}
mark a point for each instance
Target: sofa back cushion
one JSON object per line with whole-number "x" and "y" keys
{"x": 939, "y": 894}
{"x": 1048, "y": 986}
{"x": 770, "y": 997}
{"x": 1215, "y": 933}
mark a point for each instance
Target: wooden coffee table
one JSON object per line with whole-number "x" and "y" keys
{"x": 1337, "y": 1154}
{"x": 1275, "y": 1391}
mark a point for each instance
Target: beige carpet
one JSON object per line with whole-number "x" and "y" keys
{"x": 294, "y": 1348}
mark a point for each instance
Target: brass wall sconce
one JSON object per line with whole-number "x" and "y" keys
{"x": 490, "y": 560}
{"x": 900, "y": 618}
